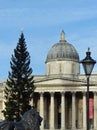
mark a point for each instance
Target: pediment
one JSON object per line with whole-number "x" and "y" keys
{"x": 56, "y": 81}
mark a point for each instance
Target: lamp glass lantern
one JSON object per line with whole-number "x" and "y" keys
{"x": 88, "y": 63}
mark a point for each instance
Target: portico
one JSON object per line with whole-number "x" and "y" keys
{"x": 64, "y": 109}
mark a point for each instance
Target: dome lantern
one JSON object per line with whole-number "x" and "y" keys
{"x": 62, "y": 35}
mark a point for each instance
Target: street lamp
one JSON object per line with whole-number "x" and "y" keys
{"x": 88, "y": 64}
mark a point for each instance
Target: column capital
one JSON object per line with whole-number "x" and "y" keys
{"x": 52, "y": 93}
{"x": 84, "y": 93}
{"x": 73, "y": 93}
{"x": 41, "y": 92}
{"x": 63, "y": 92}
{"x": 95, "y": 92}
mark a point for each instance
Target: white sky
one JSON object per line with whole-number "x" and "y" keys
{"x": 42, "y": 22}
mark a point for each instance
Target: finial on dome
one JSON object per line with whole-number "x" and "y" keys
{"x": 62, "y": 35}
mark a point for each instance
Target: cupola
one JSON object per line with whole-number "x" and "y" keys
{"x": 62, "y": 58}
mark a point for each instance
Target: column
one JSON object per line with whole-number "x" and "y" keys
{"x": 73, "y": 111}
{"x": 42, "y": 109}
{"x": 63, "y": 110}
{"x": 95, "y": 110}
{"x": 52, "y": 112}
{"x": 84, "y": 110}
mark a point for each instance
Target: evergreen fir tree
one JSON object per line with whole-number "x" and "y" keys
{"x": 20, "y": 86}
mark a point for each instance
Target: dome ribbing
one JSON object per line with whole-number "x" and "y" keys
{"x": 62, "y": 51}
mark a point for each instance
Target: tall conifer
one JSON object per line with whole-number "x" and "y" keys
{"x": 20, "y": 86}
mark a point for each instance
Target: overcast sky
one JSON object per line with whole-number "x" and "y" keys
{"x": 42, "y": 22}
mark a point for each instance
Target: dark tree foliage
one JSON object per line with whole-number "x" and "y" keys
{"x": 20, "y": 86}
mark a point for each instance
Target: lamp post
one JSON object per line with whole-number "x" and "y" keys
{"x": 88, "y": 64}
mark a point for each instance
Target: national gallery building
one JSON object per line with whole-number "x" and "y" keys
{"x": 60, "y": 94}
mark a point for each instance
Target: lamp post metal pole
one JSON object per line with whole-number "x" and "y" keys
{"x": 88, "y": 64}
{"x": 87, "y": 103}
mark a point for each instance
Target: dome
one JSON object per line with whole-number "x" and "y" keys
{"x": 62, "y": 51}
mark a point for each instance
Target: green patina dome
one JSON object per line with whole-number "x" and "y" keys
{"x": 62, "y": 51}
